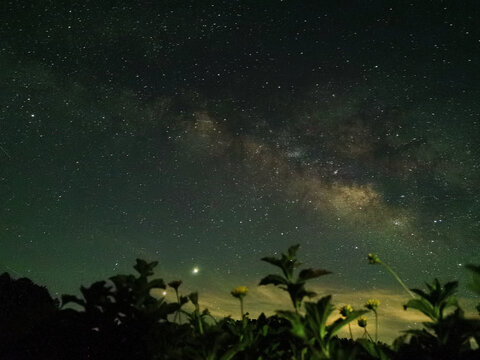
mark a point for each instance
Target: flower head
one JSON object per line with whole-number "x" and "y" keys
{"x": 175, "y": 284}
{"x": 372, "y": 304}
{"x": 362, "y": 322}
{"x": 373, "y": 259}
{"x": 239, "y": 292}
{"x": 194, "y": 298}
{"x": 346, "y": 310}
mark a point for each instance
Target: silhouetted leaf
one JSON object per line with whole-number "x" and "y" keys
{"x": 273, "y": 279}
{"x": 292, "y": 251}
{"x": 317, "y": 314}
{"x": 309, "y": 294}
{"x": 72, "y": 299}
{"x": 338, "y": 324}
{"x": 175, "y": 284}
{"x": 295, "y": 287}
{"x": 194, "y": 298}
{"x": 156, "y": 284}
{"x": 375, "y": 350}
{"x": 206, "y": 312}
{"x": 97, "y": 294}
{"x": 423, "y": 306}
{"x": 434, "y": 302}
{"x": 123, "y": 281}
{"x": 296, "y": 321}
{"x": 273, "y": 261}
{"x": 307, "y": 274}
{"x": 145, "y": 269}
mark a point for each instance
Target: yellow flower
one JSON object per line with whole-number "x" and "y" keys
{"x": 346, "y": 310}
{"x": 373, "y": 259}
{"x": 362, "y": 322}
{"x": 239, "y": 292}
{"x": 372, "y": 304}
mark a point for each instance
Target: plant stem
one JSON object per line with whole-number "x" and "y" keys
{"x": 241, "y": 307}
{"x": 178, "y": 312}
{"x": 200, "y": 325}
{"x": 376, "y": 325}
{"x": 350, "y": 329}
{"x": 295, "y": 304}
{"x": 199, "y": 321}
{"x": 367, "y": 333}
{"x": 398, "y": 279}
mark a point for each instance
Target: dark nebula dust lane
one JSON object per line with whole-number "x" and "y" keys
{"x": 207, "y": 136}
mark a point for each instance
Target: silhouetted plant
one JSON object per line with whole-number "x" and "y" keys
{"x": 345, "y": 311}
{"x": 372, "y": 304}
{"x": 376, "y": 350}
{"x": 240, "y": 292}
{"x": 24, "y": 308}
{"x": 180, "y": 299}
{"x": 363, "y": 322}
{"x": 447, "y": 338}
{"x": 434, "y": 302}
{"x": 122, "y": 320}
{"x": 130, "y": 298}
{"x": 294, "y": 286}
{"x": 196, "y": 318}
{"x": 313, "y": 328}
{"x": 125, "y": 313}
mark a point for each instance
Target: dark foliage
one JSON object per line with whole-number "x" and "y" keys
{"x": 120, "y": 319}
{"x": 295, "y": 287}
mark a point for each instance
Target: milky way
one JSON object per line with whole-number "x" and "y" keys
{"x": 209, "y": 136}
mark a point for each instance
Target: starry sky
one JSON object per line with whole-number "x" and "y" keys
{"x": 208, "y": 134}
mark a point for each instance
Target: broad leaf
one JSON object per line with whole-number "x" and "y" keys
{"x": 273, "y": 279}
{"x": 375, "y": 350}
{"x": 317, "y": 315}
{"x": 434, "y": 302}
{"x": 292, "y": 251}
{"x": 96, "y": 294}
{"x": 123, "y": 281}
{"x": 273, "y": 261}
{"x": 145, "y": 269}
{"x": 423, "y": 306}
{"x": 72, "y": 299}
{"x": 307, "y": 274}
{"x": 341, "y": 322}
{"x": 194, "y": 298}
{"x": 296, "y": 321}
{"x": 156, "y": 283}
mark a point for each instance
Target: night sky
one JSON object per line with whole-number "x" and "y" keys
{"x": 209, "y": 134}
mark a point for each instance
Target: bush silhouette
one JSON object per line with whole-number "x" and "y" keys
{"x": 120, "y": 319}
{"x": 24, "y": 307}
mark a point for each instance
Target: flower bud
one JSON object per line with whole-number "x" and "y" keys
{"x": 362, "y": 322}
{"x": 346, "y": 310}
{"x": 372, "y": 304}
{"x": 373, "y": 259}
{"x": 239, "y": 292}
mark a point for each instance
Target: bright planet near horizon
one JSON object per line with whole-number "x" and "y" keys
{"x": 206, "y": 136}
